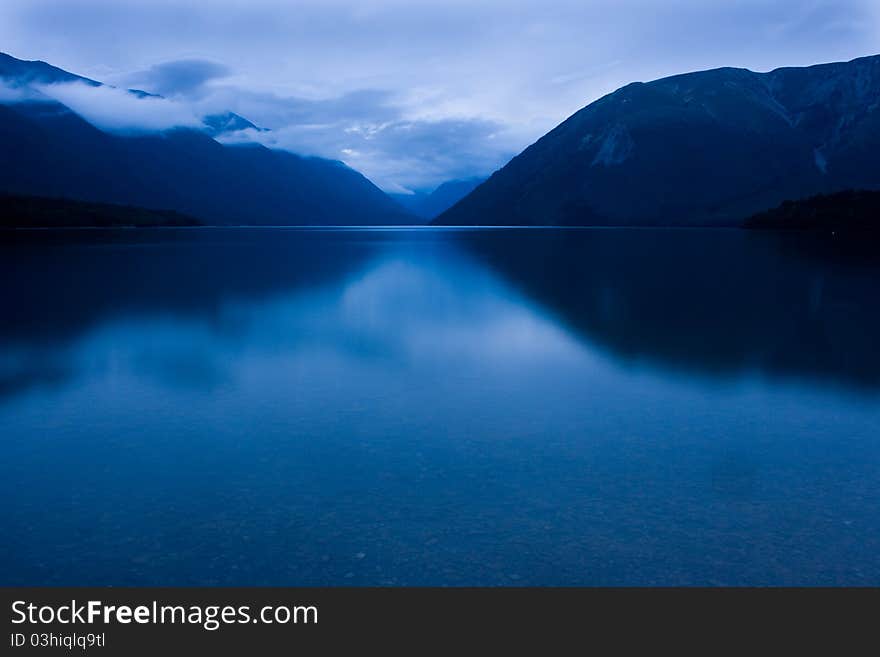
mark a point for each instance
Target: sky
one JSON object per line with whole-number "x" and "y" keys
{"x": 409, "y": 92}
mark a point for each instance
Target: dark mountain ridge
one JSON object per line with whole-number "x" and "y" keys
{"x": 708, "y": 148}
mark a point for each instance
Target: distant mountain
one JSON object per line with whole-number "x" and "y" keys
{"x": 851, "y": 210}
{"x": 41, "y": 212}
{"x": 226, "y": 122}
{"x": 708, "y": 148}
{"x": 430, "y": 204}
{"x": 48, "y": 150}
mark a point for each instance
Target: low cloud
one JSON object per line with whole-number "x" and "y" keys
{"x": 371, "y": 131}
{"x": 10, "y": 93}
{"x": 119, "y": 111}
{"x": 184, "y": 77}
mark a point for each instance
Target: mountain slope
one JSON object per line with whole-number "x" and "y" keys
{"x": 708, "y": 148}
{"x": 48, "y": 150}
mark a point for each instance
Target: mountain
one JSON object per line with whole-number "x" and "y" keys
{"x": 430, "y": 204}
{"x": 22, "y": 73}
{"x": 46, "y": 149}
{"x": 851, "y": 210}
{"x": 226, "y": 122}
{"x": 40, "y": 212}
{"x": 707, "y": 148}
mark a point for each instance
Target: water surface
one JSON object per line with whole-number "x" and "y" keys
{"x": 453, "y": 407}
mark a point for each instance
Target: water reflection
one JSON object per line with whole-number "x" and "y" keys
{"x": 436, "y": 407}
{"x": 717, "y": 302}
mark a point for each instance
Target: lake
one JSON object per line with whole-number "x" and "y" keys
{"x": 438, "y": 407}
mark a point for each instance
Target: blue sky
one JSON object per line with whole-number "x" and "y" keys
{"x": 416, "y": 92}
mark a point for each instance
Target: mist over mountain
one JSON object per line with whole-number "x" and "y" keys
{"x": 706, "y": 148}
{"x": 49, "y": 149}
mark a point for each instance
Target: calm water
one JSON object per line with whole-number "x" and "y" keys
{"x": 514, "y": 407}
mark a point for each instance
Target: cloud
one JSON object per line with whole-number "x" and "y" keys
{"x": 184, "y": 77}
{"x": 371, "y": 131}
{"x": 418, "y": 155}
{"x": 14, "y": 93}
{"x": 117, "y": 110}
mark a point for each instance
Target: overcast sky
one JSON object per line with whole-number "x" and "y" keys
{"x": 414, "y": 92}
